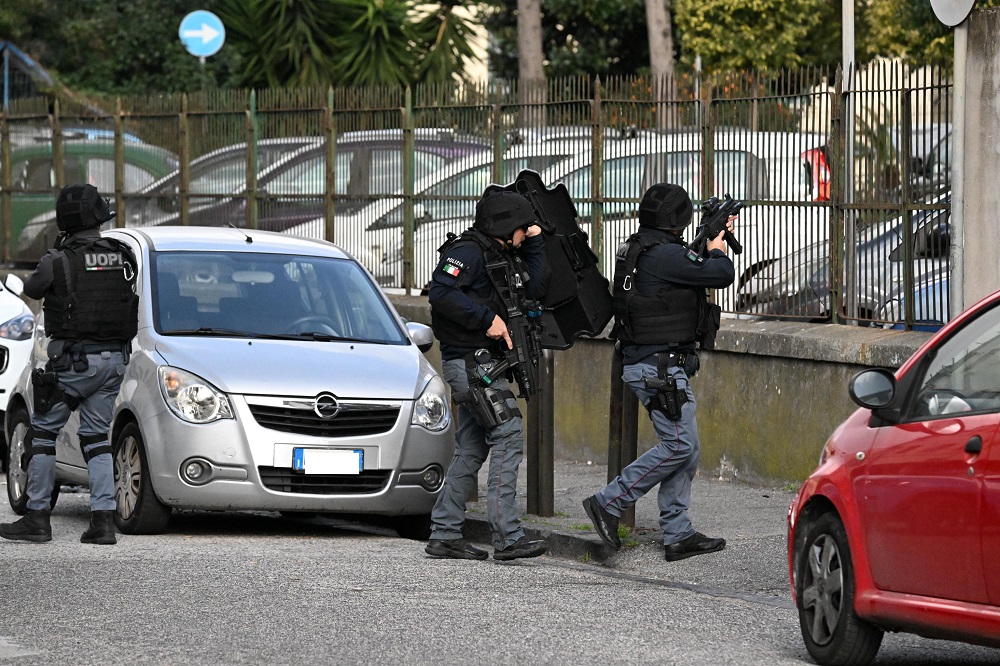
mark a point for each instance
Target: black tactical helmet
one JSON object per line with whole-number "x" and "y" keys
{"x": 499, "y": 213}
{"x": 665, "y": 206}
{"x": 81, "y": 207}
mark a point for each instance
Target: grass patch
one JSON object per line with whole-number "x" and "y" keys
{"x": 583, "y": 527}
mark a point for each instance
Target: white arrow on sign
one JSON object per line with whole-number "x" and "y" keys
{"x": 207, "y": 33}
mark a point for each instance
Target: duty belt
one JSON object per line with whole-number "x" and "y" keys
{"x": 670, "y": 359}
{"x": 98, "y": 347}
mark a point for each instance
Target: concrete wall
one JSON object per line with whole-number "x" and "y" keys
{"x": 769, "y": 395}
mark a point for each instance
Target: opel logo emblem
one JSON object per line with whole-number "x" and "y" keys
{"x": 326, "y": 406}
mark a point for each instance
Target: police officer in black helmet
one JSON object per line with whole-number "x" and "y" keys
{"x": 467, "y": 314}
{"x": 661, "y": 312}
{"x": 87, "y": 287}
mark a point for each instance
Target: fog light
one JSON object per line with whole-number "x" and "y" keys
{"x": 196, "y": 471}
{"x": 432, "y": 477}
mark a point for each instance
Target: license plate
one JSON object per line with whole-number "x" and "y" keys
{"x": 328, "y": 461}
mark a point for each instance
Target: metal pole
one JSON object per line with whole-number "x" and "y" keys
{"x": 623, "y": 435}
{"x": 956, "y": 284}
{"x": 540, "y": 446}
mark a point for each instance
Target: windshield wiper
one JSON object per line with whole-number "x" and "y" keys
{"x": 327, "y": 337}
{"x": 227, "y": 333}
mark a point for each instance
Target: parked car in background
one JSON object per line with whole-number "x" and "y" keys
{"x": 33, "y": 178}
{"x": 931, "y": 304}
{"x": 447, "y": 197}
{"x": 291, "y": 190}
{"x": 797, "y": 286}
{"x": 898, "y": 527}
{"x": 760, "y": 166}
{"x": 267, "y": 375}
{"x": 218, "y": 174}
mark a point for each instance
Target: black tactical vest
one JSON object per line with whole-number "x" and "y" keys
{"x": 93, "y": 292}
{"x": 670, "y": 316}
{"x": 451, "y": 332}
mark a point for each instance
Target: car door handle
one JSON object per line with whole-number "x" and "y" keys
{"x": 974, "y": 445}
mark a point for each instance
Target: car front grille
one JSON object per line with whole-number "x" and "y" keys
{"x": 352, "y": 421}
{"x": 285, "y": 480}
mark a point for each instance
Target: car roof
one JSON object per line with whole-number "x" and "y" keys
{"x": 378, "y": 208}
{"x": 229, "y": 239}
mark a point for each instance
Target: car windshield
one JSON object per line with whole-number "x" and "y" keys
{"x": 268, "y": 295}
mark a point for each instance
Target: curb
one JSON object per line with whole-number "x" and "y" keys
{"x": 562, "y": 544}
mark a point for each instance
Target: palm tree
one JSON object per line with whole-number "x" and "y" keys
{"x": 346, "y": 42}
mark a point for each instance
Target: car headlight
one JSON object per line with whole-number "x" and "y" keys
{"x": 191, "y": 398}
{"x": 431, "y": 409}
{"x": 19, "y": 328}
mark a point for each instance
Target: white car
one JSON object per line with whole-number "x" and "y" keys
{"x": 762, "y": 168}
{"x": 17, "y": 324}
{"x": 374, "y": 234}
{"x": 269, "y": 372}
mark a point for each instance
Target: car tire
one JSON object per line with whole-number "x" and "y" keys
{"x": 139, "y": 510}
{"x": 417, "y": 528}
{"x": 832, "y": 631}
{"x": 17, "y": 472}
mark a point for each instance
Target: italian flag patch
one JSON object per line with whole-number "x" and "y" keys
{"x": 452, "y": 270}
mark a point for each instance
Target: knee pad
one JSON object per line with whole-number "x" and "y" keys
{"x": 94, "y": 451}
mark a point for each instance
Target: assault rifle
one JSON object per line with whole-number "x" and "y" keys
{"x": 523, "y": 325}
{"x": 714, "y": 215}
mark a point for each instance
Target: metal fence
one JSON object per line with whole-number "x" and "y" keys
{"x": 388, "y": 173}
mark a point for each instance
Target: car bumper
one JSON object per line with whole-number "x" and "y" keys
{"x": 16, "y": 355}
{"x": 249, "y": 467}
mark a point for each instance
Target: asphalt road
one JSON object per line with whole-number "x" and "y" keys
{"x": 228, "y": 588}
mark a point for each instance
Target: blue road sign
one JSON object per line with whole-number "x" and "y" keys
{"x": 202, "y": 33}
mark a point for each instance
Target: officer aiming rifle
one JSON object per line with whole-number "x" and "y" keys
{"x": 715, "y": 216}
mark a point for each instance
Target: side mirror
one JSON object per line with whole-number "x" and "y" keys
{"x": 421, "y": 334}
{"x": 935, "y": 242}
{"x": 14, "y": 284}
{"x": 874, "y": 388}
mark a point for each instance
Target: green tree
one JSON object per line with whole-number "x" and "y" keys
{"x": 909, "y": 30}
{"x": 113, "y": 46}
{"x": 579, "y": 37}
{"x": 746, "y": 34}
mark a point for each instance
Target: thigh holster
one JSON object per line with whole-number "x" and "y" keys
{"x": 669, "y": 398}
{"x": 490, "y": 406}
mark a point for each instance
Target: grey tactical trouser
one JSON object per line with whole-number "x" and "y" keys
{"x": 505, "y": 447}
{"x": 96, "y": 388}
{"x": 672, "y": 463}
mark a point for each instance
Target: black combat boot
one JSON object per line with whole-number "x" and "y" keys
{"x": 102, "y": 528}
{"x": 34, "y": 526}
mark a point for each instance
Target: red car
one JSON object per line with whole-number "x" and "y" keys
{"x": 898, "y": 529}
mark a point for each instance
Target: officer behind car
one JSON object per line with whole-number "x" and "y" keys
{"x": 661, "y": 311}
{"x": 468, "y": 314}
{"x": 87, "y": 284}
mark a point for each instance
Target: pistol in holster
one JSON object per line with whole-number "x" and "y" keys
{"x": 668, "y": 399}
{"x": 45, "y": 390}
{"x": 490, "y": 406}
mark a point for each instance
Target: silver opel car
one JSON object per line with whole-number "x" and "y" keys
{"x": 269, "y": 373}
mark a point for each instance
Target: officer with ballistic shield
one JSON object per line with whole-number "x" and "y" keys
{"x": 87, "y": 287}
{"x": 661, "y": 313}
{"x": 482, "y": 296}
